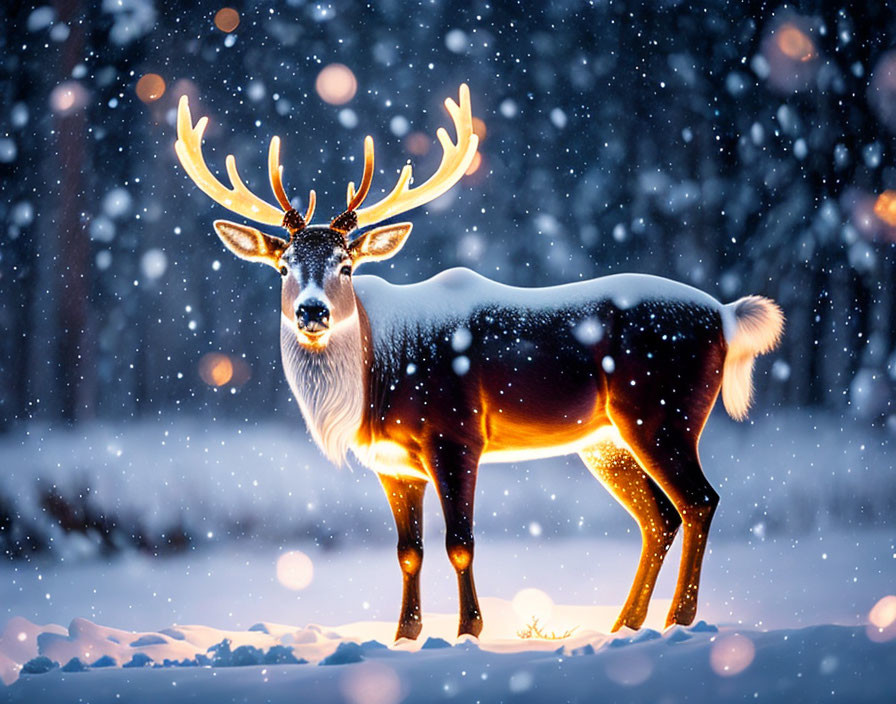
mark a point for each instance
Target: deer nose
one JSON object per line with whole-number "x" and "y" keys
{"x": 313, "y": 316}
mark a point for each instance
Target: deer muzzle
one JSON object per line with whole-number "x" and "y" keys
{"x": 313, "y": 317}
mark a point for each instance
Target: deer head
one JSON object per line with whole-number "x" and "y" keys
{"x": 316, "y": 263}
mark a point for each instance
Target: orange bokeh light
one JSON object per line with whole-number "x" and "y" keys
{"x": 883, "y": 615}
{"x": 885, "y": 207}
{"x": 216, "y": 369}
{"x": 731, "y": 655}
{"x": 474, "y": 165}
{"x": 479, "y": 128}
{"x": 336, "y": 84}
{"x": 417, "y": 143}
{"x": 227, "y": 19}
{"x": 150, "y": 87}
{"x": 882, "y": 620}
{"x": 794, "y": 43}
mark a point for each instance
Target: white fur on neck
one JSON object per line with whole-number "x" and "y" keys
{"x": 328, "y": 385}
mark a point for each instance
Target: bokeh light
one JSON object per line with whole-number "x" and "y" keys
{"x": 418, "y": 143}
{"x": 150, "y": 87}
{"x": 295, "y": 570}
{"x": 731, "y": 655}
{"x": 532, "y": 603}
{"x": 882, "y": 620}
{"x": 336, "y": 84}
{"x": 628, "y": 669}
{"x": 882, "y": 89}
{"x": 794, "y": 43}
{"x": 218, "y": 369}
{"x": 227, "y": 19}
{"x": 790, "y": 54}
{"x": 885, "y": 207}
{"x": 371, "y": 683}
{"x": 475, "y": 164}
{"x": 479, "y": 128}
{"x": 68, "y": 97}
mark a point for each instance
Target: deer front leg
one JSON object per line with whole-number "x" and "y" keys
{"x": 406, "y": 500}
{"x": 453, "y": 468}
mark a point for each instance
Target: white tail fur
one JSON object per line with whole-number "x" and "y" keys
{"x": 754, "y": 325}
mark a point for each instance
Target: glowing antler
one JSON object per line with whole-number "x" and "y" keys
{"x": 238, "y": 197}
{"x": 456, "y": 159}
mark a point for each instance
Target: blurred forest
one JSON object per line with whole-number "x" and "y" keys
{"x": 739, "y": 147}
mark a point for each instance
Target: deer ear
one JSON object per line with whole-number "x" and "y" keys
{"x": 251, "y": 244}
{"x": 380, "y": 243}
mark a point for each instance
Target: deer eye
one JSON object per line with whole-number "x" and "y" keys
{"x": 283, "y": 271}
{"x": 346, "y": 270}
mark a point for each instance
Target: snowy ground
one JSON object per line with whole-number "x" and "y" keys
{"x": 802, "y": 556}
{"x": 780, "y": 595}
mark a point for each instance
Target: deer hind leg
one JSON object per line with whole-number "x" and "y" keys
{"x": 406, "y": 500}
{"x": 620, "y": 473}
{"x": 453, "y": 468}
{"x": 669, "y": 455}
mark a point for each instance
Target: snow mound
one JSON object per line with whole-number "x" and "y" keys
{"x": 208, "y": 664}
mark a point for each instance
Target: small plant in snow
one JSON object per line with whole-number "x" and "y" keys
{"x": 533, "y": 629}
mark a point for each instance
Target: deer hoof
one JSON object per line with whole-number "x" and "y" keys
{"x": 633, "y": 621}
{"x": 681, "y": 617}
{"x": 472, "y": 627}
{"x": 409, "y": 630}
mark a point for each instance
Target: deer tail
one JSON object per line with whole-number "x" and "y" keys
{"x": 753, "y": 326}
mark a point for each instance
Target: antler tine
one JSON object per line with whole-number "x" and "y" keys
{"x": 312, "y": 202}
{"x": 275, "y": 172}
{"x": 456, "y": 159}
{"x": 353, "y": 198}
{"x": 238, "y": 198}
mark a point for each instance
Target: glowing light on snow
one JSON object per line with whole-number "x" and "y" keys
{"x": 227, "y": 19}
{"x": 295, "y": 570}
{"x": 532, "y": 603}
{"x": 731, "y": 655}
{"x": 371, "y": 683}
{"x": 150, "y": 87}
{"x": 68, "y": 97}
{"x": 336, "y": 84}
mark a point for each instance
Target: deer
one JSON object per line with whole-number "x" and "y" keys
{"x": 424, "y": 382}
